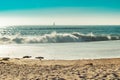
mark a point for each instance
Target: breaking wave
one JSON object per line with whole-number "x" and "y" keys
{"x": 56, "y": 38}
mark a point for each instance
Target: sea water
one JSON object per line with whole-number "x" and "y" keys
{"x": 60, "y": 42}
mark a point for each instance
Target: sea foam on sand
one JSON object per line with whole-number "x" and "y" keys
{"x": 85, "y": 50}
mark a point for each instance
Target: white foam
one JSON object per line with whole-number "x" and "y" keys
{"x": 92, "y": 50}
{"x": 56, "y": 38}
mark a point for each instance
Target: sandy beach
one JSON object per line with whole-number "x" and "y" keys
{"x": 33, "y": 69}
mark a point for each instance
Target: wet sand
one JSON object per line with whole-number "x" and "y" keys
{"x": 33, "y": 69}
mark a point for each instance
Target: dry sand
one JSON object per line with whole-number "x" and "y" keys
{"x": 32, "y": 69}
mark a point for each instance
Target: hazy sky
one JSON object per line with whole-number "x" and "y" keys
{"x": 63, "y": 12}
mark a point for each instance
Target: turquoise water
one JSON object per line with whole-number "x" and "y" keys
{"x": 58, "y": 34}
{"x": 60, "y": 42}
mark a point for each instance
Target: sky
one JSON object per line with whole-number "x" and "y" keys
{"x": 62, "y": 12}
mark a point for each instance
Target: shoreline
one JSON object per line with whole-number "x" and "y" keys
{"x": 34, "y": 69}
{"x": 66, "y": 51}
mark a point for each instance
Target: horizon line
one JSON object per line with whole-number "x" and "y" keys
{"x": 69, "y": 25}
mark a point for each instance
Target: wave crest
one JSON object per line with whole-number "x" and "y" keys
{"x": 57, "y": 38}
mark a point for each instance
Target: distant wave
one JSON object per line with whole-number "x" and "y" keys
{"x": 56, "y": 38}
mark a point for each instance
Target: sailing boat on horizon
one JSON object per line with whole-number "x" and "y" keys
{"x": 53, "y": 23}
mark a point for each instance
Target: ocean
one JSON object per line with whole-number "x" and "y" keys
{"x": 61, "y": 42}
